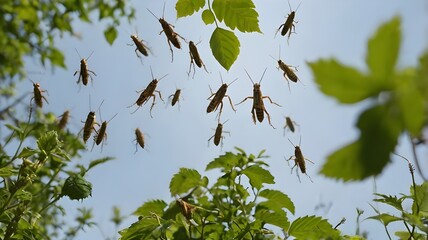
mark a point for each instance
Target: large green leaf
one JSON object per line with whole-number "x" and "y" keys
{"x": 277, "y": 200}
{"x": 225, "y": 162}
{"x": 239, "y": 14}
{"x": 421, "y": 198}
{"x": 188, "y": 7}
{"x": 184, "y": 180}
{"x": 225, "y": 47}
{"x": 275, "y": 218}
{"x": 311, "y": 227}
{"x": 153, "y": 206}
{"x": 368, "y": 155}
{"x": 346, "y": 84}
{"x": 383, "y": 49}
{"x": 258, "y": 176}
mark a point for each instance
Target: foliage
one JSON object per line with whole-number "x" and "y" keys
{"x": 237, "y": 206}
{"x": 239, "y": 14}
{"x": 399, "y": 103}
{"x": 30, "y": 28}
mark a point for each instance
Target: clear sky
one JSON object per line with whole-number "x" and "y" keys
{"x": 178, "y": 137}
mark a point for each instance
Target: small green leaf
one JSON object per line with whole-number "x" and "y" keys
{"x": 99, "y": 161}
{"x": 48, "y": 141}
{"x": 258, "y": 176}
{"x": 184, "y": 180}
{"x": 27, "y": 152}
{"x": 390, "y": 200}
{"x": 225, "y": 162}
{"x": 14, "y": 128}
{"x": 421, "y": 197}
{"x": 310, "y": 226}
{"x": 76, "y": 187}
{"x": 208, "y": 17}
{"x": 405, "y": 235}
{"x": 277, "y": 199}
{"x": 225, "y": 47}
{"x": 239, "y": 14}
{"x": 57, "y": 58}
{"x": 383, "y": 49}
{"x": 385, "y": 219}
{"x": 275, "y": 218}
{"x": 153, "y": 206}
{"x": 188, "y": 7}
{"x": 110, "y": 34}
{"x": 346, "y": 84}
{"x": 7, "y": 172}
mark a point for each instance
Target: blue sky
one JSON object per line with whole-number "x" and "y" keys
{"x": 178, "y": 138}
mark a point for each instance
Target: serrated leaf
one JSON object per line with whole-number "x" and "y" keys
{"x": 421, "y": 197}
{"x": 307, "y": 226}
{"x": 208, "y": 17}
{"x": 153, "y": 206}
{"x": 370, "y": 153}
{"x": 225, "y": 47}
{"x": 383, "y": 49}
{"x": 411, "y": 102}
{"x": 225, "y": 162}
{"x": 48, "y": 141}
{"x": 184, "y": 180}
{"x": 57, "y": 58}
{"x": 110, "y": 33}
{"x": 385, "y": 219}
{"x": 27, "y": 152}
{"x": 258, "y": 176}
{"x": 140, "y": 230}
{"x": 188, "y": 7}
{"x": 239, "y": 14}
{"x": 390, "y": 200}
{"x": 346, "y": 84}
{"x": 99, "y": 161}
{"x": 275, "y": 218}
{"x": 277, "y": 199}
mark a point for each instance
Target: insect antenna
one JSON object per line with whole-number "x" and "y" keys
{"x": 80, "y": 57}
{"x": 291, "y": 142}
{"x": 262, "y": 76}
{"x": 152, "y": 14}
{"x": 163, "y": 11}
{"x": 249, "y": 76}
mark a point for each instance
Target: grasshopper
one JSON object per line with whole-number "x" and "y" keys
{"x": 195, "y": 59}
{"x": 218, "y": 98}
{"x": 84, "y": 73}
{"x": 288, "y": 26}
{"x": 299, "y": 160}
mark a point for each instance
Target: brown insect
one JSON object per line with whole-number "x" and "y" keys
{"x": 171, "y": 35}
{"x": 258, "y": 105}
{"x": 218, "y": 98}
{"x": 139, "y": 138}
{"x": 147, "y": 93}
{"x": 218, "y": 134}
{"x": 38, "y": 95}
{"x": 64, "y": 120}
{"x": 288, "y": 74}
{"x": 89, "y": 126}
{"x": 299, "y": 160}
{"x": 139, "y": 46}
{"x": 195, "y": 59}
{"x": 101, "y": 133}
{"x": 175, "y": 97}
{"x": 290, "y": 124}
{"x": 288, "y": 26}
{"x": 84, "y": 73}
{"x": 186, "y": 209}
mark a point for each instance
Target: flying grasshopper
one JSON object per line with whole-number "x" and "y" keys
{"x": 139, "y": 138}
{"x": 102, "y": 131}
{"x": 139, "y": 46}
{"x": 299, "y": 160}
{"x": 258, "y": 105}
{"x": 195, "y": 59}
{"x": 289, "y": 26}
{"x": 64, "y": 120}
{"x": 84, "y": 73}
{"x": 218, "y": 134}
{"x": 175, "y": 97}
{"x": 147, "y": 93}
{"x": 171, "y": 35}
{"x": 218, "y": 98}
{"x": 38, "y": 95}
{"x": 288, "y": 74}
{"x": 290, "y": 124}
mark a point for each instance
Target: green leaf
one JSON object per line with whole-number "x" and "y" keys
{"x": 309, "y": 227}
{"x": 258, "y": 176}
{"x": 405, "y": 235}
{"x": 57, "y": 58}
{"x": 225, "y": 47}
{"x": 208, "y": 17}
{"x": 390, "y": 200}
{"x": 385, "y": 219}
{"x": 27, "y": 152}
{"x": 184, "y": 180}
{"x": 277, "y": 200}
{"x": 370, "y": 153}
{"x": 7, "y": 171}
{"x": 410, "y": 101}
{"x": 153, "y": 206}
{"x": 14, "y": 128}
{"x": 140, "y": 230}
{"x": 239, "y": 14}
{"x": 99, "y": 161}
{"x": 383, "y": 49}
{"x": 346, "y": 84}
{"x": 225, "y": 162}
{"x": 110, "y": 34}
{"x": 275, "y": 218}
{"x": 421, "y": 197}
{"x": 48, "y": 141}
{"x": 188, "y": 7}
